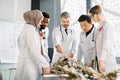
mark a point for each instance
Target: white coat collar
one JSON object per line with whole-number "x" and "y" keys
{"x": 64, "y": 28}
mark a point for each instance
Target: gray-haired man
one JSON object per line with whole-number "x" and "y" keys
{"x": 64, "y": 40}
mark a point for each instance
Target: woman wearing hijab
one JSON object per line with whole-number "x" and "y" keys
{"x": 31, "y": 61}
{"x": 106, "y": 60}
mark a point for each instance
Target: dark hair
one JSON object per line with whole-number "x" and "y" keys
{"x": 85, "y": 18}
{"x": 65, "y": 15}
{"x": 46, "y": 15}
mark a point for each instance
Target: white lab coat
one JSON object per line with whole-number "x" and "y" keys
{"x": 68, "y": 42}
{"x": 104, "y": 46}
{"x": 87, "y": 46}
{"x": 45, "y": 44}
{"x": 30, "y": 61}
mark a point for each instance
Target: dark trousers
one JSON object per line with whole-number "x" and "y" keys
{"x": 1, "y": 78}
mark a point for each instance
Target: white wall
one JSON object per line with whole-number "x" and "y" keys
{"x": 11, "y": 22}
{"x": 12, "y": 10}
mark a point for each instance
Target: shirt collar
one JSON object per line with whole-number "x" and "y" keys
{"x": 65, "y": 28}
{"x": 87, "y": 33}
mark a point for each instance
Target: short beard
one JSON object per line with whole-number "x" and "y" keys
{"x": 42, "y": 27}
